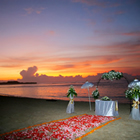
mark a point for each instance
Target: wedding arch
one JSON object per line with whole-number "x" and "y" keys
{"x": 132, "y": 93}
{"x": 111, "y": 75}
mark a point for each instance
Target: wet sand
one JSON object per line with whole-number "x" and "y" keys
{"x": 17, "y": 113}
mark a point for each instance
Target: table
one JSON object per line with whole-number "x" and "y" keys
{"x": 106, "y": 108}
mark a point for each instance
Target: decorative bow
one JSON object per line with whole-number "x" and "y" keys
{"x": 116, "y": 106}
{"x": 71, "y": 101}
{"x": 135, "y": 104}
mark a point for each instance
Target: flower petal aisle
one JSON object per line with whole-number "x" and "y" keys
{"x": 71, "y": 128}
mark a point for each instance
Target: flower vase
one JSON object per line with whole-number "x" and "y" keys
{"x": 70, "y": 107}
{"x": 135, "y": 114}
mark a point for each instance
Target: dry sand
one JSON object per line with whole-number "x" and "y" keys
{"x": 17, "y": 113}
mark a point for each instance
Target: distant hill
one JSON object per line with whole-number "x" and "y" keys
{"x": 16, "y": 82}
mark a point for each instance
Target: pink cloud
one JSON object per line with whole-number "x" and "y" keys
{"x": 98, "y": 3}
{"x": 38, "y": 12}
{"x": 51, "y": 32}
{"x": 119, "y": 12}
{"x": 92, "y": 2}
{"x": 129, "y": 46}
{"x": 29, "y": 72}
{"x": 93, "y": 23}
{"x": 109, "y": 20}
{"x": 31, "y": 10}
{"x": 137, "y": 33}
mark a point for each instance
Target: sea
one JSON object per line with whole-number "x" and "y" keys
{"x": 115, "y": 90}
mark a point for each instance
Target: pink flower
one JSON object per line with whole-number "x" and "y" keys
{"x": 61, "y": 130}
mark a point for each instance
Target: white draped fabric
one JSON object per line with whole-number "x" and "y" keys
{"x": 70, "y": 107}
{"x": 135, "y": 113}
{"x": 106, "y": 108}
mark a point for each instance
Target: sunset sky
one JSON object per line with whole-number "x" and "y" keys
{"x": 69, "y": 37}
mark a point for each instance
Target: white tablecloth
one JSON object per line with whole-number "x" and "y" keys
{"x": 106, "y": 108}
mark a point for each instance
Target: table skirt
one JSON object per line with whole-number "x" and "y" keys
{"x": 106, "y": 108}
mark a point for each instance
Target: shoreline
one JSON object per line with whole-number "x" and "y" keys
{"x": 4, "y": 95}
{"x": 20, "y": 112}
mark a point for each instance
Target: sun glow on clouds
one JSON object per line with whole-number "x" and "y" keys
{"x": 69, "y": 38}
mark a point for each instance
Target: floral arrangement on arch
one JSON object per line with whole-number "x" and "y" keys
{"x": 133, "y": 92}
{"x": 112, "y": 75}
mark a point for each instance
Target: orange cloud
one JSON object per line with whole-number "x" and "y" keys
{"x": 103, "y": 60}
{"x": 18, "y": 62}
{"x": 11, "y": 66}
{"x": 62, "y": 67}
{"x": 84, "y": 67}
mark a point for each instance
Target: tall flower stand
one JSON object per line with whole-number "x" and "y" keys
{"x": 70, "y": 107}
{"x": 135, "y": 113}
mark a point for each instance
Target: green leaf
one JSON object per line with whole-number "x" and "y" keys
{"x": 71, "y": 92}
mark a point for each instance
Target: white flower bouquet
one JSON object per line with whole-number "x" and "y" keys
{"x": 132, "y": 92}
{"x": 105, "y": 98}
{"x": 71, "y": 91}
{"x": 95, "y": 93}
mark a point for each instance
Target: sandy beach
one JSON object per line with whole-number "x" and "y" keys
{"x": 17, "y": 113}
